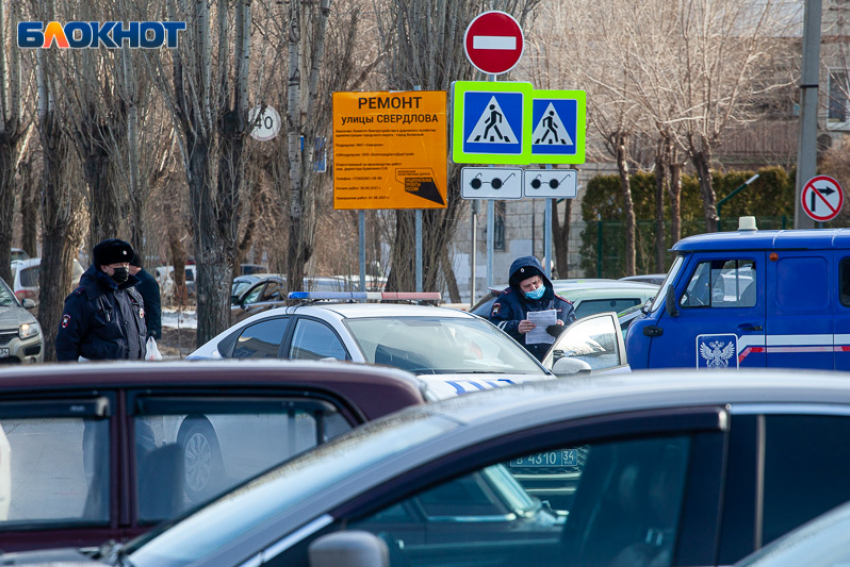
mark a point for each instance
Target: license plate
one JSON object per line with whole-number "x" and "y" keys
{"x": 562, "y": 458}
{"x": 4, "y": 353}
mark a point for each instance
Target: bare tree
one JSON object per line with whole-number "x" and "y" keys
{"x": 14, "y": 128}
{"x": 425, "y": 39}
{"x": 207, "y": 97}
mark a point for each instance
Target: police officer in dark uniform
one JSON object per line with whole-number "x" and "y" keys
{"x": 104, "y": 318}
{"x": 530, "y": 290}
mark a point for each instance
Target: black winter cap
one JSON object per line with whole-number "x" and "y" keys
{"x": 523, "y": 274}
{"x": 112, "y": 251}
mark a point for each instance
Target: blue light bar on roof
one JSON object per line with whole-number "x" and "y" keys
{"x": 367, "y": 295}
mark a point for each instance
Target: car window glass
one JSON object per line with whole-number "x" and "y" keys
{"x": 796, "y": 494}
{"x": 254, "y": 295}
{"x": 434, "y": 345}
{"x": 272, "y": 292}
{"x": 261, "y": 340}
{"x": 54, "y": 471}
{"x": 608, "y": 504}
{"x": 186, "y": 460}
{"x": 7, "y": 298}
{"x": 844, "y": 281}
{"x": 669, "y": 280}
{"x": 593, "y": 341}
{"x": 722, "y": 283}
{"x": 313, "y": 340}
{"x": 29, "y": 276}
{"x": 594, "y": 306}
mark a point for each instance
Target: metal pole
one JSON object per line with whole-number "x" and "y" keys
{"x": 547, "y": 236}
{"x": 362, "y": 231}
{"x": 473, "y": 252}
{"x": 418, "y": 236}
{"x": 491, "y": 228}
{"x": 418, "y": 249}
{"x": 809, "y": 80}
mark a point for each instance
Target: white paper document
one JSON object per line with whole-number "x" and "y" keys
{"x": 542, "y": 319}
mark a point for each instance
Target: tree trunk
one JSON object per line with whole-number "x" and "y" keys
{"x": 561, "y": 236}
{"x": 628, "y": 204}
{"x": 661, "y": 165}
{"x": 451, "y": 280}
{"x": 675, "y": 189}
{"x": 702, "y": 163}
{"x": 8, "y": 194}
{"x": 29, "y": 208}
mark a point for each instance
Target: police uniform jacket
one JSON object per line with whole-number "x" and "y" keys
{"x": 102, "y": 320}
{"x": 149, "y": 289}
{"x": 512, "y": 306}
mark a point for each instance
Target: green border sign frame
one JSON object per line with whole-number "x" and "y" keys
{"x": 581, "y": 127}
{"x": 458, "y": 90}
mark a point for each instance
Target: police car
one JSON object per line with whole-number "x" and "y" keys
{"x": 457, "y": 351}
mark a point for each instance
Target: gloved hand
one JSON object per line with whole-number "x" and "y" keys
{"x": 555, "y": 330}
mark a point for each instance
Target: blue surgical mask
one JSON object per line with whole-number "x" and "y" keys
{"x": 537, "y": 293}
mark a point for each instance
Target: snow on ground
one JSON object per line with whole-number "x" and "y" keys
{"x": 179, "y": 319}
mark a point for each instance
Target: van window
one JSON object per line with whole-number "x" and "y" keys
{"x": 844, "y": 281}
{"x": 722, "y": 283}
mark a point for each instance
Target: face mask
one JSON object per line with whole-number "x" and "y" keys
{"x": 537, "y": 293}
{"x": 120, "y": 275}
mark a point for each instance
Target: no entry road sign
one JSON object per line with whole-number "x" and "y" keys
{"x": 493, "y": 42}
{"x": 822, "y": 198}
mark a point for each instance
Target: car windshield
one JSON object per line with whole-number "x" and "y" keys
{"x": 260, "y": 500}
{"x": 671, "y": 277}
{"x": 435, "y": 345}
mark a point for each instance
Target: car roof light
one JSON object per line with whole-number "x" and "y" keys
{"x": 367, "y": 295}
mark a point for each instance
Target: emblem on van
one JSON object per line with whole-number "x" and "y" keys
{"x": 717, "y": 351}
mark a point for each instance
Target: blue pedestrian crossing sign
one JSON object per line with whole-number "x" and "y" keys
{"x": 491, "y": 122}
{"x": 558, "y": 131}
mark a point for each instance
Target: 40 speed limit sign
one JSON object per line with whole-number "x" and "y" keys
{"x": 266, "y": 125}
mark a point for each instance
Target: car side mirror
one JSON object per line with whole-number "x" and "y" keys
{"x": 566, "y": 366}
{"x": 670, "y": 302}
{"x": 28, "y": 303}
{"x": 349, "y": 549}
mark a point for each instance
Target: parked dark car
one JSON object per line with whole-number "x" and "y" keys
{"x": 672, "y": 469}
{"x": 105, "y": 451}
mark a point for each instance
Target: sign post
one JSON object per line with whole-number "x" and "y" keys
{"x": 822, "y": 198}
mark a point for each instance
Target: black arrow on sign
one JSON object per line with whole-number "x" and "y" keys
{"x": 825, "y": 191}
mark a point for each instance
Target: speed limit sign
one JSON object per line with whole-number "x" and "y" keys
{"x": 265, "y": 125}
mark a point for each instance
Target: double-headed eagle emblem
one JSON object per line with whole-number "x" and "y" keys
{"x": 717, "y": 353}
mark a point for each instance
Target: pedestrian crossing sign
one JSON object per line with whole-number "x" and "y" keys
{"x": 558, "y": 131}
{"x": 491, "y": 122}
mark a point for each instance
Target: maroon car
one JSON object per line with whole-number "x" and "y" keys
{"x": 105, "y": 451}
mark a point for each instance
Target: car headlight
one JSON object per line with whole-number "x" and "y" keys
{"x": 28, "y": 330}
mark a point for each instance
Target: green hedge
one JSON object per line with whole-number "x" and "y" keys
{"x": 770, "y": 198}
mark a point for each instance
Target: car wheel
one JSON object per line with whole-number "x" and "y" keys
{"x": 202, "y": 463}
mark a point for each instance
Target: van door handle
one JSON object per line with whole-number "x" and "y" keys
{"x": 749, "y": 327}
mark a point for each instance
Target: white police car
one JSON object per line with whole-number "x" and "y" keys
{"x": 456, "y": 351}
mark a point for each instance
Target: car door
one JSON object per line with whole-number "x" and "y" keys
{"x": 646, "y": 492}
{"x": 192, "y": 444}
{"x": 313, "y": 339}
{"x": 594, "y": 343}
{"x": 718, "y": 320}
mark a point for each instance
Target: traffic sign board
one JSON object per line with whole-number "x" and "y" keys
{"x": 491, "y": 183}
{"x": 490, "y": 122}
{"x": 389, "y": 150}
{"x": 558, "y": 131}
{"x": 822, "y": 198}
{"x": 266, "y": 125}
{"x": 549, "y": 183}
{"x": 493, "y": 42}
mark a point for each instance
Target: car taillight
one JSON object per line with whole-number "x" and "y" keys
{"x": 22, "y": 294}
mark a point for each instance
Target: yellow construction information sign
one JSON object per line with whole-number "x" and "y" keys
{"x": 390, "y": 150}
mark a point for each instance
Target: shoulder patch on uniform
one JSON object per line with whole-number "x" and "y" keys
{"x": 66, "y": 320}
{"x": 142, "y": 312}
{"x": 79, "y": 290}
{"x": 563, "y": 299}
{"x": 496, "y": 308}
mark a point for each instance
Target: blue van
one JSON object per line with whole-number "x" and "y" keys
{"x": 777, "y": 299}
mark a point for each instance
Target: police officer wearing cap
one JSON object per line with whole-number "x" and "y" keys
{"x": 529, "y": 290}
{"x": 104, "y": 318}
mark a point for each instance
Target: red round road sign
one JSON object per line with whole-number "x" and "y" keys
{"x": 493, "y": 42}
{"x": 822, "y": 198}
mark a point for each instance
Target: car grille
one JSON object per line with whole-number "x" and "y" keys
{"x": 7, "y": 336}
